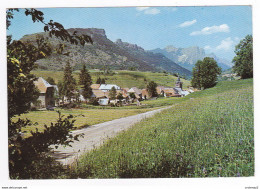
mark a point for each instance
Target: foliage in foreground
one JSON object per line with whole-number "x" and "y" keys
{"x": 209, "y": 135}
{"x": 28, "y": 157}
{"x": 244, "y": 58}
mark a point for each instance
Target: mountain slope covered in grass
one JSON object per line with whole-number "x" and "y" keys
{"x": 207, "y": 134}
{"x": 120, "y": 77}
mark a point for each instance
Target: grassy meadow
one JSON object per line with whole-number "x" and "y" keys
{"x": 206, "y": 134}
{"x": 83, "y": 117}
{"x": 121, "y": 78}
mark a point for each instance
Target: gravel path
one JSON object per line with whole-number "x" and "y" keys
{"x": 95, "y": 135}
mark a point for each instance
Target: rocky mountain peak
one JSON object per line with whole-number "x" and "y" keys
{"x": 187, "y": 57}
{"x": 89, "y": 31}
{"x": 130, "y": 46}
{"x": 171, "y": 48}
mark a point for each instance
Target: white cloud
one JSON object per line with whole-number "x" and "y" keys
{"x": 211, "y": 30}
{"x": 148, "y": 10}
{"x": 152, "y": 11}
{"x": 208, "y": 48}
{"x": 187, "y": 23}
{"x": 141, "y": 8}
{"x": 225, "y": 45}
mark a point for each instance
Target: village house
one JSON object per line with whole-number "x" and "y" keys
{"x": 137, "y": 92}
{"x": 47, "y": 91}
{"x": 171, "y": 92}
{"x": 145, "y": 94}
{"x": 108, "y": 87}
{"x": 101, "y": 95}
{"x": 178, "y": 88}
{"x": 101, "y": 92}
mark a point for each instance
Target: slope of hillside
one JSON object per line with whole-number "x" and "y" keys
{"x": 103, "y": 54}
{"x": 187, "y": 57}
{"x": 155, "y": 59}
{"x": 175, "y": 143}
{"x": 126, "y": 79}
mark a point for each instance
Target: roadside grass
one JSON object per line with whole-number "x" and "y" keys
{"x": 124, "y": 79}
{"x": 163, "y": 101}
{"x": 210, "y": 134}
{"x": 83, "y": 117}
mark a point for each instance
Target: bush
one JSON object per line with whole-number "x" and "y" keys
{"x": 94, "y": 101}
{"x": 30, "y": 157}
{"x": 69, "y": 106}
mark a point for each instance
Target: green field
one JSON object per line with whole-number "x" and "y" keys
{"x": 85, "y": 117}
{"x": 121, "y": 78}
{"x": 206, "y": 134}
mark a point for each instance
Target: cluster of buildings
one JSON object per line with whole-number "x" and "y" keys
{"x": 101, "y": 92}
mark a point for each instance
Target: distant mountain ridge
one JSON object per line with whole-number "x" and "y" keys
{"x": 187, "y": 57}
{"x": 103, "y": 53}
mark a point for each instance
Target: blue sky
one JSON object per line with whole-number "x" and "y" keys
{"x": 216, "y": 29}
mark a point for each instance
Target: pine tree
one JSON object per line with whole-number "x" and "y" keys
{"x": 120, "y": 97}
{"x": 86, "y": 81}
{"x": 98, "y": 80}
{"x": 151, "y": 88}
{"x": 69, "y": 83}
{"x": 103, "y": 81}
{"x": 84, "y": 76}
{"x": 51, "y": 81}
{"x": 112, "y": 93}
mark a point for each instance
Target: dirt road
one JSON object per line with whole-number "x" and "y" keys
{"x": 95, "y": 135}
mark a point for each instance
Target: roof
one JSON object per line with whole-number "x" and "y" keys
{"x": 159, "y": 89}
{"x": 144, "y": 92}
{"x": 185, "y": 93}
{"x": 42, "y": 85}
{"x": 120, "y": 91}
{"x": 171, "y": 92}
{"x": 124, "y": 92}
{"x": 108, "y": 87}
{"x": 99, "y": 93}
{"x": 178, "y": 89}
{"x": 135, "y": 90}
{"x": 95, "y": 86}
{"x": 125, "y": 89}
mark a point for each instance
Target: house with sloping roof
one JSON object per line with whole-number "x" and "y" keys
{"x": 185, "y": 93}
{"x": 124, "y": 92}
{"x": 145, "y": 94}
{"x": 100, "y": 94}
{"x": 108, "y": 87}
{"x": 137, "y": 92}
{"x": 171, "y": 92}
{"x": 160, "y": 90}
{"x": 46, "y": 92}
{"x": 103, "y": 101}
